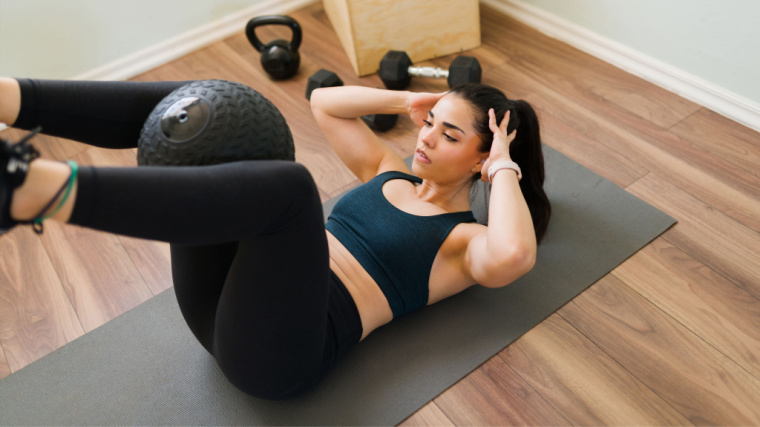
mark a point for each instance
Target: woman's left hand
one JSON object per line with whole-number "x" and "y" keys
{"x": 501, "y": 141}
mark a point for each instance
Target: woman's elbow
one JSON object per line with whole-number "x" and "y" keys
{"x": 513, "y": 263}
{"x": 523, "y": 256}
{"x": 520, "y": 259}
{"x": 319, "y": 103}
{"x": 316, "y": 100}
{"x": 526, "y": 261}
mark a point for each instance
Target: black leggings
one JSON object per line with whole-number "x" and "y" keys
{"x": 250, "y": 261}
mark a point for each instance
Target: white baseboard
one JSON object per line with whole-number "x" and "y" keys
{"x": 695, "y": 89}
{"x": 187, "y": 42}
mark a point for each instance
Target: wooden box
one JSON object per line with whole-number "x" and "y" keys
{"x": 424, "y": 29}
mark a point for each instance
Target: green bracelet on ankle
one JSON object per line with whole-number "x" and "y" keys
{"x": 37, "y": 222}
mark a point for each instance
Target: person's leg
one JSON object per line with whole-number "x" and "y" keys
{"x": 199, "y": 273}
{"x": 259, "y": 305}
{"x": 103, "y": 114}
{"x": 194, "y": 205}
{"x": 268, "y": 330}
{"x": 271, "y": 326}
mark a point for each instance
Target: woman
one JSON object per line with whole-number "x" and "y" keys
{"x": 271, "y": 295}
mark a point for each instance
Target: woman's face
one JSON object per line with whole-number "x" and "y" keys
{"x": 447, "y": 146}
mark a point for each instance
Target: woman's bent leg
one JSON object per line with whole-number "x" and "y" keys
{"x": 103, "y": 114}
{"x": 268, "y": 323}
{"x": 272, "y": 323}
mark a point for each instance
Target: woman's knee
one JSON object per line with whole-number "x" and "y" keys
{"x": 297, "y": 189}
{"x": 299, "y": 178}
{"x": 267, "y": 378}
{"x": 279, "y": 174}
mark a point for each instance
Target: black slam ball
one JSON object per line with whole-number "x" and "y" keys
{"x": 214, "y": 121}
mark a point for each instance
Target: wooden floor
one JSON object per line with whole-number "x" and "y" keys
{"x": 672, "y": 336}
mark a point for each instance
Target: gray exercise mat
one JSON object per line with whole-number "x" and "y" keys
{"x": 145, "y": 367}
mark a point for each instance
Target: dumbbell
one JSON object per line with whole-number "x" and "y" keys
{"x": 326, "y": 78}
{"x": 396, "y": 70}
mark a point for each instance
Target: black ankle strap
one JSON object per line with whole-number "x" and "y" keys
{"x": 19, "y": 157}
{"x": 37, "y": 226}
{"x": 67, "y": 186}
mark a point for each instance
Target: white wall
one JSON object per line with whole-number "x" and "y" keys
{"x": 69, "y": 38}
{"x": 715, "y": 40}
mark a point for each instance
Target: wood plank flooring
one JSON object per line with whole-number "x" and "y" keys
{"x": 670, "y": 337}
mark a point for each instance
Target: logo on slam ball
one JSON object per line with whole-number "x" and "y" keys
{"x": 185, "y": 119}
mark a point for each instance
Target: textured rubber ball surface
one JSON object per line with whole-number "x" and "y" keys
{"x": 214, "y": 121}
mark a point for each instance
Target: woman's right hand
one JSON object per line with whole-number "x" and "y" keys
{"x": 418, "y": 105}
{"x": 500, "y": 144}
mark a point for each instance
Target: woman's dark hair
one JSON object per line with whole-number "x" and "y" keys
{"x": 525, "y": 150}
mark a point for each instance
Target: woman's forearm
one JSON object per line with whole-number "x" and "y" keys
{"x": 510, "y": 227}
{"x": 348, "y": 102}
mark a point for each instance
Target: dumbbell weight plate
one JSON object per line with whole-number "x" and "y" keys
{"x": 394, "y": 70}
{"x": 464, "y": 69}
{"x": 381, "y": 122}
{"x": 322, "y": 78}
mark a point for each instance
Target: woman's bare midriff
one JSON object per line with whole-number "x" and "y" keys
{"x": 370, "y": 301}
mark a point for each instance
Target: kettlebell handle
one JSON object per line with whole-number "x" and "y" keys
{"x": 273, "y": 20}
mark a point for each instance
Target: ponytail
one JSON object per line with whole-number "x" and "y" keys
{"x": 526, "y": 151}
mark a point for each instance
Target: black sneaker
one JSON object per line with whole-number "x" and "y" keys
{"x": 14, "y": 165}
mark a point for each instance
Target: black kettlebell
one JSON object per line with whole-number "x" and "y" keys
{"x": 279, "y": 58}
